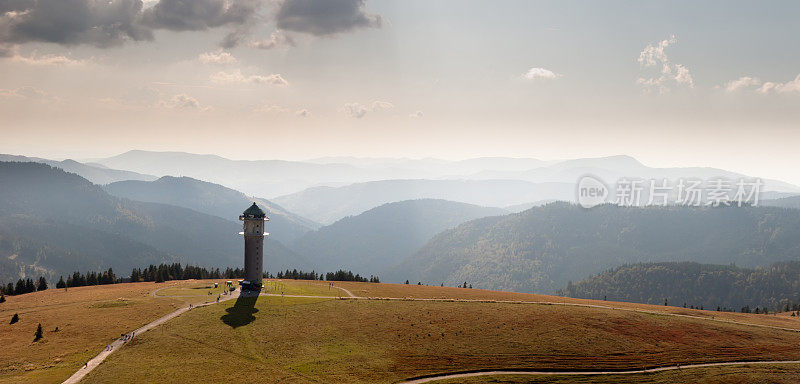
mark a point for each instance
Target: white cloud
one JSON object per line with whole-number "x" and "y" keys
{"x": 220, "y": 57}
{"x": 270, "y": 109}
{"x": 742, "y": 82}
{"x": 541, "y": 73}
{"x": 27, "y": 93}
{"x": 277, "y": 39}
{"x": 655, "y": 55}
{"x": 11, "y": 52}
{"x": 183, "y": 101}
{"x": 416, "y": 115}
{"x": 358, "y": 110}
{"x": 236, "y": 77}
{"x": 787, "y": 87}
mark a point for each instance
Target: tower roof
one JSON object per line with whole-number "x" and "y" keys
{"x": 254, "y": 212}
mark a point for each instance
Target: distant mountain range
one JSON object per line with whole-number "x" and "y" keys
{"x": 212, "y": 199}
{"x": 383, "y": 236}
{"x": 53, "y": 222}
{"x": 273, "y": 178}
{"x": 97, "y": 174}
{"x": 698, "y": 285}
{"x": 541, "y": 249}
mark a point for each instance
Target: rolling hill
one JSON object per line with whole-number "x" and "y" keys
{"x": 541, "y": 249}
{"x": 56, "y": 222}
{"x": 212, "y": 199}
{"x": 383, "y": 236}
{"x": 699, "y": 285}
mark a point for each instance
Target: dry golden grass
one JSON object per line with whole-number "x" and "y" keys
{"x": 434, "y": 292}
{"x": 88, "y": 319}
{"x": 379, "y": 341}
{"x": 301, "y": 339}
{"x": 751, "y": 374}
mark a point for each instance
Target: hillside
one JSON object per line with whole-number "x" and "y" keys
{"x": 541, "y": 249}
{"x": 328, "y": 204}
{"x": 212, "y": 199}
{"x": 785, "y": 202}
{"x": 97, "y": 174}
{"x": 705, "y": 285}
{"x": 55, "y": 222}
{"x": 383, "y": 236}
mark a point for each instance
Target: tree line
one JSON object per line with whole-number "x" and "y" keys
{"x": 699, "y": 286}
{"x": 339, "y": 275}
{"x": 166, "y": 272}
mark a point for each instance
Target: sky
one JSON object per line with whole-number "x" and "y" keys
{"x": 672, "y": 83}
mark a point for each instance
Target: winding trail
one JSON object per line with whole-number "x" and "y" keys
{"x": 429, "y": 379}
{"x": 118, "y": 343}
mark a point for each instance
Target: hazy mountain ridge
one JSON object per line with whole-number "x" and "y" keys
{"x": 97, "y": 174}
{"x": 706, "y": 285}
{"x": 328, "y": 204}
{"x": 84, "y": 214}
{"x": 212, "y": 199}
{"x": 381, "y": 237}
{"x": 540, "y": 249}
{"x": 273, "y": 178}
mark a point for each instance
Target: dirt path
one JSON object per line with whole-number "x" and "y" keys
{"x": 429, "y": 379}
{"x": 118, "y": 343}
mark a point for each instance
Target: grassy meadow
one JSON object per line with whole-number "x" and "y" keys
{"x": 374, "y": 341}
{"x": 334, "y": 339}
{"x": 88, "y": 319}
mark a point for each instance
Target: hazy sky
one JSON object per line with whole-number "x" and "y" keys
{"x": 712, "y": 83}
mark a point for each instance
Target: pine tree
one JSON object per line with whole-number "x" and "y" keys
{"x": 38, "y": 335}
{"x": 42, "y": 284}
{"x": 20, "y": 287}
{"x": 3, "y": 299}
{"x": 14, "y": 318}
{"x": 61, "y": 283}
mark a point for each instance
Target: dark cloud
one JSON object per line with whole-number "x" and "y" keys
{"x": 105, "y": 23}
{"x": 326, "y": 17}
{"x": 101, "y": 23}
{"x": 199, "y": 15}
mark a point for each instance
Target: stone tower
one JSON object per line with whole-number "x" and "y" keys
{"x": 253, "y": 219}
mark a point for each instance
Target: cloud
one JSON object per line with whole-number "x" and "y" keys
{"x": 108, "y": 23}
{"x": 787, "y": 87}
{"x": 277, "y": 39}
{"x": 271, "y": 109}
{"x": 199, "y": 15}
{"x": 220, "y": 57}
{"x": 655, "y": 56}
{"x": 184, "y": 102}
{"x": 236, "y": 77}
{"x": 742, "y": 82}
{"x": 416, "y": 115}
{"x": 358, "y": 110}
{"x": 541, "y": 73}
{"x": 302, "y": 113}
{"x": 69, "y": 22}
{"x": 26, "y": 92}
{"x": 323, "y": 18}
{"x": 11, "y": 52}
